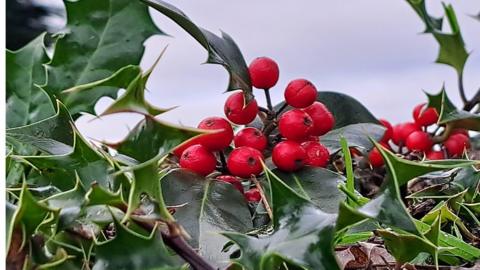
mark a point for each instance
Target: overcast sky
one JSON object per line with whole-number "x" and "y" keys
{"x": 369, "y": 49}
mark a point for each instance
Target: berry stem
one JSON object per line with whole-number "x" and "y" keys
{"x": 265, "y": 110}
{"x": 269, "y": 100}
{"x": 461, "y": 88}
{"x": 284, "y": 106}
{"x": 223, "y": 160}
{"x": 264, "y": 198}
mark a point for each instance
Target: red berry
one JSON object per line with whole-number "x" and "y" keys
{"x": 198, "y": 159}
{"x": 288, "y": 156}
{"x": 237, "y": 112}
{"x": 388, "y": 132}
{"x": 253, "y": 195}
{"x": 252, "y": 137}
{"x": 295, "y": 125}
{"x": 263, "y": 72}
{"x": 460, "y": 130}
{"x": 219, "y": 140}
{"x": 419, "y": 141}
{"x": 354, "y": 152}
{"x": 317, "y": 154}
{"x": 300, "y": 93}
{"x": 375, "y": 158}
{"x": 401, "y": 132}
{"x": 435, "y": 155}
{"x": 245, "y": 161}
{"x": 310, "y": 138}
{"x": 456, "y": 144}
{"x": 179, "y": 149}
{"x": 425, "y": 116}
{"x": 232, "y": 180}
{"x": 323, "y": 120}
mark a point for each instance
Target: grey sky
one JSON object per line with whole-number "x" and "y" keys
{"x": 369, "y": 49}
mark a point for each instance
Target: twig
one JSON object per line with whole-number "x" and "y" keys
{"x": 223, "y": 161}
{"x": 284, "y": 106}
{"x": 262, "y": 195}
{"x": 474, "y": 101}
{"x": 461, "y": 88}
{"x": 175, "y": 241}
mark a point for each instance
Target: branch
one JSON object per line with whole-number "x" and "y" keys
{"x": 474, "y": 101}
{"x": 461, "y": 88}
{"x": 175, "y": 241}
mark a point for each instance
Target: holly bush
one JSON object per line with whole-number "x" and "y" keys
{"x": 314, "y": 182}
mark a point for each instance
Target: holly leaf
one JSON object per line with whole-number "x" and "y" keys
{"x": 449, "y": 114}
{"x": 302, "y": 234}
{"x": 131, "y": 250}
{"x": 357, "y": 135}
{"x": 53, "y": 135}
{"x": 208, "y": 207}
{"x": 28, "y": 215}
{"x": 133, "y": 100}
{"x": 452, "y": 50}
{"x": 152, "y": 138}
{"x": 221, "y": 50}
{"x": 26, "y": 103}
{"x": 97, "y": 195}
{"x": 319, "y": 185}
{"x": 93, "y": 46}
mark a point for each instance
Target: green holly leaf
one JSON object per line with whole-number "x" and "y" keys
{"x": 133, "y": 100}
{"x": 97, "y": 195}
{"x": 26, "y": 103}
{"x": 319, "y": 185}
{"x": 357, "y": 135}
{"x": 131, "y": 250}
{"x": 221, "y": 50}
{"x": 59, "y": 170}
{"x": 207, "y": 207}
{"x": 302, "y": 234}
{"x": 28, "y": 215}
{"x": 452, "y": 48}
{"x": 152, "y": 138}
{"x": 94, "y": 46}
{"x": 53, "y": 135}
{"x": 449, "y": 114}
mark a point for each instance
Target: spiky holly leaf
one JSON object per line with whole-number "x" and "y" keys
{"x": 131, "y": 250}
{"x": 26, "y": 103}
{"x": 97, "y": 195}
{"x": 94, "y": 46}
{"x": 60, "y": 166}
{"x": 317, "y": 184}
{"x": 53, "y": 135}
{"x": 449, "y": 114}
{"x": 152, "y": 138}
{"x": 207, "y": 208}
{"x": 133, "y": 100}
{"x": 302, "y": 234}
{"x": 221, "y": 50}
{"x": 28, "y": 215}
{"x": 452, "y": 48}
{"x": 357, "y": 135}
{"x": 388, "y": 207}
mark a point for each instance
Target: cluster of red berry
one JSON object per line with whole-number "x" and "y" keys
{"x": 296, "y": 145}
{"x": 415, "y": 137}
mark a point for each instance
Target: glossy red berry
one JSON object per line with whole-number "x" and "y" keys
{"x": 179, "y": 149}
{"x": 253, "y": 195}
{"x": 300, "y": 93}
{"x": 232, "y": 180}
{"x": 252, "y": 137}
{"x": 237, "y": 112}
{"x": 323, "y": 120}
{"x": 245, "y": 161}
{"x": 419, "y": 141}
{"x": 388, "y": 132}
{"x": 198, "y": 159}
{"x": 317, "y": 154}
{"x": 288, "y": 156}
{"x": 375, "y": 158}
{"x": 402, "y": 131}
{"x": 219, "y": 140}
{"x": 295, "y": 125}
{"x": 435, "y": 155}
{"x": 264, "y": 72}
{"x": 460, "y": 130}
{"x": 425, "y": 116}
{"x": 456, "y": 144}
